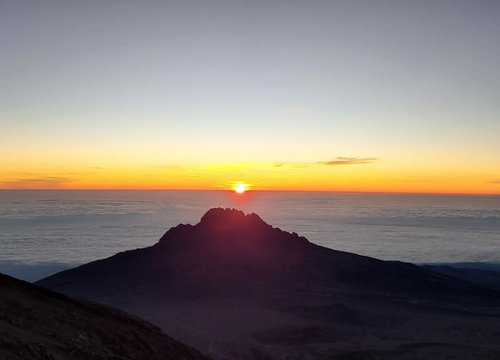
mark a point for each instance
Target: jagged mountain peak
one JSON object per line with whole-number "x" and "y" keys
{"x": 223, "y": 228}
{"x": 230, "y": 218}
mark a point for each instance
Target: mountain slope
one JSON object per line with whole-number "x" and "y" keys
{"x": 258, "y": 291}
{"x": 36, "y": 323}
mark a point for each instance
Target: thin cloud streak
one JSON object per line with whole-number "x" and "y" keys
{"x": 341, "y": 160}
{"x": 295, "y": 110}
{"x": 290, "y": 165}
{"x": 37, "y": 182}
{"x": 349, "y": 161}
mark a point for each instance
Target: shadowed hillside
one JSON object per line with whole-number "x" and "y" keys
{"x": 236, "y": 287}
{"x": 36, "y": 323}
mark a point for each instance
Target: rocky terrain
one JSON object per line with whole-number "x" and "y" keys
{"x": 237, "y": 288}
{"x": 36, "y": 323}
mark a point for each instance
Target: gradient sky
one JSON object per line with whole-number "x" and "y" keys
{"x": 301, "y": 95}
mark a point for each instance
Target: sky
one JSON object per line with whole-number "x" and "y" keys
{"x": 392, "y": 96}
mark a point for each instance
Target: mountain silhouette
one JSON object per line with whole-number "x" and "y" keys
{"x": 36, "y": 323}
{"x": 258, "y": 291}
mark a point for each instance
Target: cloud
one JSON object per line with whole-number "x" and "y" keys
{"x": 295, "y": 110}
{"x": 494, "y": 181}
{"x": 291, "y": 165}
{"x": 37, "y": 182}
{"x": 341, "y": 160}
{"x": 349, "y": 161}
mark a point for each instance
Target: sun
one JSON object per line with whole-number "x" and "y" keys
{"x": 240, "y": 188}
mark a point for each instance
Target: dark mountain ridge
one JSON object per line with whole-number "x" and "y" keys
{"x": 36, "y": 323}
{"x": 256, "y": 289}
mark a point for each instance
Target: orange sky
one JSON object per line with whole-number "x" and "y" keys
{"x": 339, "y": 174}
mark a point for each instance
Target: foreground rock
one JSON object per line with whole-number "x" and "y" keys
{"x": 236, "y": 287}
{"x": 36, "y": 323}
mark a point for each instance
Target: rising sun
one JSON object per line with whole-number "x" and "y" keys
{"x": 240, "y": 188}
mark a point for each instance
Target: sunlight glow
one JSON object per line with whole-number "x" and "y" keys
{"x": 240, "y": 188}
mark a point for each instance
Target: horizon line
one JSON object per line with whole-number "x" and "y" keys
{"x": 262, "y": 190}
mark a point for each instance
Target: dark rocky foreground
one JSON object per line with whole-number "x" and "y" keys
{"x": 36, "y": 323}
{"x": 237, "y": 288}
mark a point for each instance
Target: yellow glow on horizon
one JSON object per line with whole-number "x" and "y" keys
{"x": 378, "y": 176}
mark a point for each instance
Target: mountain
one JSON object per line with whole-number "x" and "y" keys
{"x": 36, "y": 323}
{"x": 236, "y": 287}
